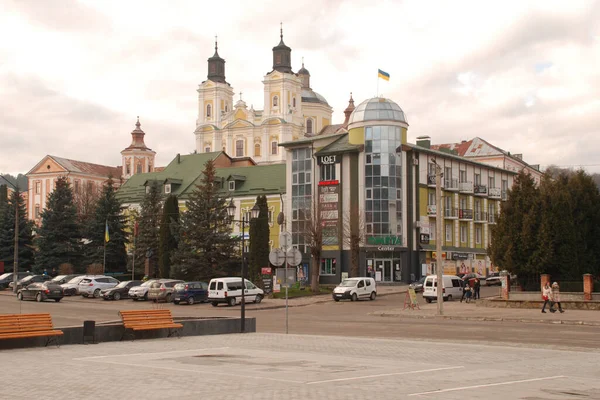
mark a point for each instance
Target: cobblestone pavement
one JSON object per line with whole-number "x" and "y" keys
{"x": 274, "y": 366}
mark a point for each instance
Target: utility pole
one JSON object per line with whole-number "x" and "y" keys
{"x": 16, "y": 266}
{"x": 439, "y": 221}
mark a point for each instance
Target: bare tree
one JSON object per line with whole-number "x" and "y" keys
{"x": 86, "y": 198}
{"x": 354, "y": 237}
{"x": 313, "y": 237}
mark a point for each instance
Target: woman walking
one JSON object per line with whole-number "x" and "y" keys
{"x": 547, "y": 296}
{"x": 556, "y": 298}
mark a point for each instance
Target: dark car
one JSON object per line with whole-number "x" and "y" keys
{"x": 121, "y": 291}
{"x": 41, "y": 291}
{"x": 190, "y": 292}
{"x": 418, "y": 285}
{"x": 29, "y": 280}
{"x": 60, "y": 279}
{"x": 7, "y": 278}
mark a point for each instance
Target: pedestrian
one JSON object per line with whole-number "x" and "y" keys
{"x": 468, "y": 293}
{"x": 464, "y": 292}
{"x": 547, "y": 296}
{"x": 45, "y": 273}
{"x": 477, "y": 288}
{"x": 556, "y": 298}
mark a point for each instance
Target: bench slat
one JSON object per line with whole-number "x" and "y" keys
{"x": 14, "y": 326}
{"x": 141, "y": 320}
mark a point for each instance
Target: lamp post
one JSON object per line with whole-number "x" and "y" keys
{"x": 254, "y": 214}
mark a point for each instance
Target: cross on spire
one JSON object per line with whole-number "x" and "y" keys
{"x": 216, "y": 47}
{"x": 281, "y": 30}
{"x": 240, "y": 96}
{"x": 302, "y": 61}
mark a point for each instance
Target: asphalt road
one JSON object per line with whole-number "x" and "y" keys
{"x": 330, "y": 318}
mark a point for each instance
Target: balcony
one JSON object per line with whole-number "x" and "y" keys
{"x": 451, "y": 184}
{"x": 481, "y": 190}
{"x": 504, "y": 195}
{"x": 431, "y": 210}
{"x": 492, "y": 218}
{"x": 495, "y": 193}
{"x": 480, "y": 217}
{"x": 451, "y": 213}
{"x": 465, "y": 187}
{"x": 430, "y": 180}
{"x": 465, "y": 214}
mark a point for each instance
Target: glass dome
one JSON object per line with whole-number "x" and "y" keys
{"x": 377, "y": 109}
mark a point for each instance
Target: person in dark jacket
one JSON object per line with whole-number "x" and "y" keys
{"x": 476, "y": 289}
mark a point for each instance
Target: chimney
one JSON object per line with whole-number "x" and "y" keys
{"x": 424, "y": 141}
{"x": 178, "y": 158}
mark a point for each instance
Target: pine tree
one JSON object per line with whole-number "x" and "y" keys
{"x": 147, "y": 242}
{"x": 259, "y": 241}
{"x": 206, "y": 248}
{"x": 7, "y": 235}
{"x": 108, "y": 212}
{"x": 59, "y": 236}
{"x": 168, "y": 239}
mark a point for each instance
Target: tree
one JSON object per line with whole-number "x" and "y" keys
{"x": 7, "y": 234}
{"x": 108, "y": 212}
{"x": 147, "y": 242}
{"x": 86, "y": 202}
{"x": 206, "y": 248}
{"x": 59, "y": 235}
{"x": 167, "y": 235}
{"x": 354, "y": 237}
{"x": 259, "y": 241}
{"x": 313, "y": 237}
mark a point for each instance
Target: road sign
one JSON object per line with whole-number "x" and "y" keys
{"x": 285, "y": 240}
{"x": 294, "y": 257}
{"x": 277, "y": 257}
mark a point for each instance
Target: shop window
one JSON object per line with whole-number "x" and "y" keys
{"x": 328, "y": 266}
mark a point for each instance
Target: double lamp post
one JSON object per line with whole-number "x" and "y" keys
{"x": 254, "y": 212}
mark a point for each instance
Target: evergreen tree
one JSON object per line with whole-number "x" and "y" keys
{"x": 59, "y": 236}
{"x": 169, "y": 224}
{"x": 259, "y": 241}
{"x": 108, "y": 212}
{"x": 147, "y": 242}
{"x": 206, "y": 248}
{"x": 7, "y": 234}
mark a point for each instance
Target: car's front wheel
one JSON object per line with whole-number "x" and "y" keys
{"x": 20, "y": 296}
{"x": 117, "y": 296}
{"x": 96, "y": 293}
{"x": 354, "y": 297}
{"x": 373, "y": 295}
{"x": 39, "y": 298}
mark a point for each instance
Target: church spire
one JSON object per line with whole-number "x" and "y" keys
{"x": 282, "y": 55}
{"x": 348, "y": 110}
{"x": 216, "y": 66}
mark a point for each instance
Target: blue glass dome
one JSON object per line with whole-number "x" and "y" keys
{"x": 377, "y": 109}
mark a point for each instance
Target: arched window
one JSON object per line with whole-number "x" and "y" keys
{"x": 294, "y": 102}
{"x": 139, "y": 168}
{"x": 208, "y": 111}
{"x": 149, "y": 167}
{"x": 309, "y": 125}
{"x": 127, "y": 168}
{"x": 257, "y": 150}
{"x": 226, "y": 108}
{"x": 207, "y": 149}
{"x": 275, "y": 101}
{"x": 274, "y": 148}
{"x": 239, "y": 148}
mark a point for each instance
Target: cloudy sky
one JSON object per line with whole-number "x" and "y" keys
{"x": 75, "y": 74}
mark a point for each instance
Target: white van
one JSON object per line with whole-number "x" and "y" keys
{"x": 453, "y": 287}
{"x": 229, "y": 290}
{"x": 355, "y": 288}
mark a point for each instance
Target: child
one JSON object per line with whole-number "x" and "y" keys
{"x": 468, "y": 293}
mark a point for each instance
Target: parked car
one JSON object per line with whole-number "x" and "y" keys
{"x": 229, "y": 290}
{"x": 452, "y": 287}
{"x": 141, "y": 292}
{"x": 355, "y": 289}
{"x": 92, "y": 285}
{"x": 71, "y": 288}
{"x": 493, "y": 279}
{"x": 41, "y": 291}
{"x": 418, "y": 285}
{"x": 162, "y": 290}
{"x": 190, "y": 292}
{"x": 61, "y": 279}
{"x": 121, "y": 291}
{"x": 473, "y": 275}
{"x": 29, "y": 280}
{"x": 7, "y": 278}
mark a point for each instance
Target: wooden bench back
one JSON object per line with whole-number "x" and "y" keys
{"x": 146, "y": 317}
{"x": 19, "y": 323}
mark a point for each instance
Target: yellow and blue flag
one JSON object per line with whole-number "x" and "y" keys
{"x": 383, "y": 75}
{"x": 106, "y": 235}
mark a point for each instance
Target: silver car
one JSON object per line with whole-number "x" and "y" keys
{"x": 141, "y": 292}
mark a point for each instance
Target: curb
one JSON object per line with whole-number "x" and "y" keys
{"x": 494, "y": 319}
{"x": 274, "y": 307}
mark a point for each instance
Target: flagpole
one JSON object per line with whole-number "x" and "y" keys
{"x": 377, "y": 84}
{"x": 133, "y": 266}
{"x": 104, "y": 263}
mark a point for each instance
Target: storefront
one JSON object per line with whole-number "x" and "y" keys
{"x": 385, "y": 263}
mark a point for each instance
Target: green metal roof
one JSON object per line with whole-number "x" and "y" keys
{"x": 309, "y": 140}
{"x": 341, "y": 145}
{"x": 260, "y": 179}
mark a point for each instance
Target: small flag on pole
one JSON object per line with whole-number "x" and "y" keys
{"x": 106, "y": 235}
{"x": 383, "y": 75}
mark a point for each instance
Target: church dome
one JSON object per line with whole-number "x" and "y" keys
{"x": 303, "y": 71}
{"x": 377, "y": 109}
{"x": 310, "y": 96}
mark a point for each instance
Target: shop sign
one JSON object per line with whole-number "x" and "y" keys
{"x": 460, "y": 256}
{"x": 329, "y": 214}
{"x": 385, "y": 240}
{"x": 434, "y": 255}
{"x": 424, "y": 238}
{"x": 328, "y": 160}
{"x": 329, "y": 183}
{"x": 386, "y": 248}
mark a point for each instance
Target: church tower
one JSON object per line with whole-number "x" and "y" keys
{"x": 137, "y": 158}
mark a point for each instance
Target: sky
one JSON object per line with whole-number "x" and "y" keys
{"x": 74, "y": 74}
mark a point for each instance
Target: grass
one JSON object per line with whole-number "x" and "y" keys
{"x": 301, "y": 292}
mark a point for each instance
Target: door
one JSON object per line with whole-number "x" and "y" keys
{"x": 388, "y": 272}
{"x": 30, "y": 291}
{"x": 251, "y": 291}
{"x": 361, "y": 289}
{"x": 203, "y": 291}
{"x": 378, "y": 270}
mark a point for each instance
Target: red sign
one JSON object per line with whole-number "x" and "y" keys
{"x": 265, "y": 271}
{"x": 329, "y": 183}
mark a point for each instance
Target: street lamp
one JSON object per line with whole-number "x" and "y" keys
{"x": 253, "y": 214}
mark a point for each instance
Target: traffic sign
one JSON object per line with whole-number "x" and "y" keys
{"x": 277, "y": 257}
{"x": 294, "y": 257}
{"x": 285, "y": 240}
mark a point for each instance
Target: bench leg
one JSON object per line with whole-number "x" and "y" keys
{"x": 52, "y": 339}
{"x": 174, "y": 331}
{"x": 125, "y": 333}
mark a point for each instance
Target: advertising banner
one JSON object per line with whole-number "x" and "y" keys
{"x": 329, "y": 202}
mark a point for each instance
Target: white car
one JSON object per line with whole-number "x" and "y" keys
{"x": 354, "y": 289}
{"x": 452, "y": 288}
{"x": 93, "y": 285}
{"x": 229, "y": 290}
{"x": 71, "y": 288}
{"x": 141, "y": 292}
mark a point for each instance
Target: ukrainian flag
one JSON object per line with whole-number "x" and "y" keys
{"x": 383, "y": 75}
{"x": 106, "y": 235}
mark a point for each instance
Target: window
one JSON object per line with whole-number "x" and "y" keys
{"x": 127, "y": 169}
{"x": 361, "y": 284}
{"x": 463, "y": 203}
{"x": 37, "y": 211}
{"x": 239, "y": 148}
{"x": 208, "y": 111}
{"x": 448, "y": 232}
{"x": 448, "y": 205}
{"x": 77, "y": 186}
{"x": 294, "y": 102}
{"x": 369, "y": 193}
{"x": 220, "y": 285}
{"x": 147, "y": 189}
{"x": 328, "y": 172}
{"x": 167, "y": 188}
{"x": 139, "y": 168}
{"x": 477, "y": 179}
{"x": 270, "y": 217}
{"x": 274, "y": 148}
{"x": 226, "y": 109}
{"x": 207, "y": 149}
{"x": 432, "y": 230}
{"x": 275, "y": 101}
{"x": 478, "y": 235}
{"x": 231, "y": 185}
{"x": 328, "y": 266}
{"x": 463, "y": 176}
{"x": 257, "y": 150}
{"x": 492, "y": 182}
{"x": 38, "y": 187}
{"x": 491, "y": 209}
{"x": 463, "y": 234}
{"x": 456, "y": 283}
{"x": 302, "y": 164}
{"x": 309, "y": 125}
{"x": 431, "y": 198}
{"x": 149, "y": 167}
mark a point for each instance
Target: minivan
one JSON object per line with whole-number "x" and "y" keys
{"x": 190, "y": 292}
{"x": 355, "y": 289}
{"x": 453, "y": 287}
{"x": 229, "y": 290}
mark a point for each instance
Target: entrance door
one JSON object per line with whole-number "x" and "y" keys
{"x": 388, "y": 273}
{"x": 379, "y": 273}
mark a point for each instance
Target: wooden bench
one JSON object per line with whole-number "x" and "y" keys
{"x": 19, "y": 326}
{"x": 144, "y": 320}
